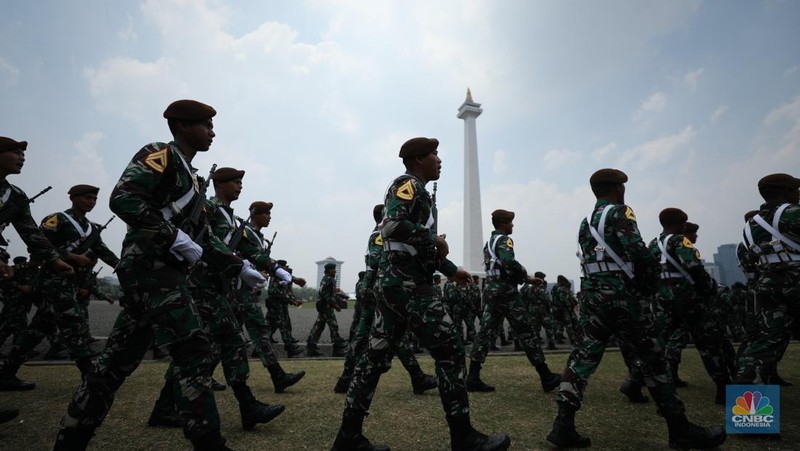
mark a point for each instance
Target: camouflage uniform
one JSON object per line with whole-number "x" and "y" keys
{"x": 564, "y": 311}
{"x": 361, "y": 286}
{"x": 538, "y": 303}
{"x": 777, "y": 290}
{"x": 277, "y": 316}
{"x": 612, "y": 304}
{"x": 458, "y": 305}
{"x": 325, "y": 301}
{"x": 684, "y": 293}
{"x": 474, "y": 300}
{"x": 16, "y": 303}
{"x": 157, "y": 303}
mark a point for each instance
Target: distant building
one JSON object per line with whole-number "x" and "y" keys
{"x": 728, "y": 263}
{"x": 321, "y": 270}
{"x": 713, "y": 270}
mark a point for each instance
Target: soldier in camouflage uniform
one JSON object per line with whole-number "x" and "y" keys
{"x": 474, "y": 301}
{"x": 279, "y": 297}
{"x": 85, "y": 288}
{"x": 357, "y": 309}
{"x": 773, "y": 238}
{"x": 158, "y": 192}
{"x": 458, "y": 306}
{"x": 564, "y": 306}
{"x": 618, "y": 270}
{"x": 15, "y": 209}
{"x": 413, "y": 251}
{"x": 420, "y": 382}
{"x": 326, "y": 304}
{"x": 17, "y": 296}
{"x": 502, "y": 300}
{"x": 684, "y": 292}
{"x": 538, "y": 302}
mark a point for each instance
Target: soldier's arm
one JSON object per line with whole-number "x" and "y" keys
{"x": 627, "y": 230}
{"x": 505, "y": 252}
{"x": 32, "y": 235}
{"x": 105, "y": 254}
{"x": 398, "y": 225}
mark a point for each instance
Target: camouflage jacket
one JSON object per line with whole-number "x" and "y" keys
{"x": 502, "y": 269}
{"x": 361, "y": 287}
{"x": 562, "y": 297}
{"x": 454, "y": 294}
{"x": 409, "y": 235}
{"x": 278, "y": 293}
{"x": 148, "y": 192}
{"x": 372, "y": 259}
{"x": 67, "y": 231}
{"x": 327, "y": 291}
{"x": 687, "y": 257}
{"x": 778, "y": 262}
{"x": 621, "y": 234}
{"x": 224, "y": 224}
{"x": 23, "y": 223}
{"x": 748, "y": 261}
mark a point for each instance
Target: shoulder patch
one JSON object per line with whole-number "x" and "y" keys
{"x": 406, "y": 190}
{"x": 51, "y": 222}
{"x": 379, "y": 240}
{"x": 629, "y": 214}
{"x": 510, "y": 243}
{"x": 157, "y": 161}
{"x": 687, "y": 243}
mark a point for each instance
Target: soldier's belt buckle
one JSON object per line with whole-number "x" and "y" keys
{"x": 599, "y": 248}
{"x": 774, "y": 243}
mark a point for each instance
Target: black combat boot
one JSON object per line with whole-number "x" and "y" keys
{"x": 252, "y": 410}
{"x": 217, "y": 385}
{"x": 9, "y": 380}
{"x": 85, "y": 365}
{"x": 549, "y": 380}
{"x": 7, "y": 415}
{"x": 339, "y": 349}
{"x": 551, "y": 346}
{"x": 422, "y": 382}
{"x": 342, "y": 384}
{"x": 293, "y": 350}
{"x": 280, "y": 380}
{"x": 164, "y": 413}
{"x": 686, "y": 435}
{"x": 70, "y": 439}
{"x": 720, "y": 395}
{"x": 564, "y": 434}
{"x": 463, "y": 437}
{"x": 213, "y": 441}
{"x": 633, "y": 390}
{"x": 350, "y": 437}
{"x": 312, "y": 350}
{"x": 676, "y": 380}
{"x": 474, "y": 382}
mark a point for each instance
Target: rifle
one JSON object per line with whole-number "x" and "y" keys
{"x": 87, "y": 244}
{"x": 12, "y": 210}
{"x": 236, "y": 238}
{"x": 269, "y": 246}
{"x": 192, "y": 219}
{"x": 434, "y": 211}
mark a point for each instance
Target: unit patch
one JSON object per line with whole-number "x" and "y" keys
{"x": 629, "y": 214}
{"x": 406, "y": 190}
{"x": 157, "y": 161}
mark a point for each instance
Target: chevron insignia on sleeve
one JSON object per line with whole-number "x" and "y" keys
{"x": 157, "y": 161}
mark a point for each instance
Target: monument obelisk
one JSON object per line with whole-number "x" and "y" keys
{"x": 473, "y": 233}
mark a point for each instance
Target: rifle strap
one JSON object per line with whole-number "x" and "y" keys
{"x": 4, "y": 198}
{"x": 231, "y": 222}
{"x": 176, "y": 207}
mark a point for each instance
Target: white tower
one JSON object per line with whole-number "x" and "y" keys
{"x": 473, "y": 232}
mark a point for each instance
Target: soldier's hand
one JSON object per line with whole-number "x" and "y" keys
{"x": 442, "y": 248}
{"x": 6, "y": 271}
{"x": 535, "y": 281}
{"x": 299, "y": 281}
{"x": 63, "y": 267}
{"x": 461, "y": 277}
{"x": 81, "y": 259}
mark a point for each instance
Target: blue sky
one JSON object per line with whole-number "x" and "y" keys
{"x": 695, "y": 101}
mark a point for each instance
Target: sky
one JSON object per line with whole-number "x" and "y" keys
{"x": 694, "y": 100}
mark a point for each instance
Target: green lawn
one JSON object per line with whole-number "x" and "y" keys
{"x": 398, "y": 418}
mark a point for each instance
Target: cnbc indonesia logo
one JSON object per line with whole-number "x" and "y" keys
{"x": 753, "y": 411}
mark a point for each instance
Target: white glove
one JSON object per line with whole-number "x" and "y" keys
{"x": 183, "y": 248}
{"x": 284, "y": 276}
{"x": 251, "y": 276}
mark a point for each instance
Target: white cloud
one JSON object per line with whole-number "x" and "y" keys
{"x": 602, "y": 152}
{"x": 718, "y": 113}
{"x": 652, "y": 104}
{"x": 9, "y": 74}
{"x": 657, "y": 151}
{"x": 128, "y": 34}
{"x": 555, "y": 158}
{"x": 499, "y": 163}
{"x": 788, "y": 139}
{"x": 691, "y": 78}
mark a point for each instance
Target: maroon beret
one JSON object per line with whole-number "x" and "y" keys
{"x": 418, "y": 146}
{"x": 750, "y": 214}
{"x": 189, "y": 110}
{"x": 690, "y": 227}
{"x": 259, "y": 207}
{"x": 7, "y": 144}
{"x": 502, "y": 216}
{"x": 608, "y": 175}
{"x": 779, "y": 181}
{"x": 672, "y": 216}
{"x": 80, "y": 190}
{"x": 226, "y": 174}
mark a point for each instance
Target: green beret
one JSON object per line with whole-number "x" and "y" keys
{"x": 189, "y": 110}
{"x": 672, "y": 216}
{"x": 779, "y": 181}
{"x": 281, "y": 262}
{"x": 259, "y": 207}
{"x": 608, "y": 176}
{"x": 226, "y": 174}
{"x": 502, "y": 216}
{"x": 539, "y": 274}
{"x": 80, "y": 190}
{"x": 7, "y": 144}
{"x": 750, "y": 214}
{"x": 418, "y": 146}
{"x": 690, "y": 228}
{"x": 330, "y": 266}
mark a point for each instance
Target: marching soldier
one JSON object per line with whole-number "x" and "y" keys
{"x": 279, "y": 298}
{"x": 618, "y": 270}
{"x": 326, "y": 304}
{"x": 413, "y": 251}
{"x": 17, "y": 297}
{"x": 502, "y": 300}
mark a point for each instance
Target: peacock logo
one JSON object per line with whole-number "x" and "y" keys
{"x": 752, "y": 403}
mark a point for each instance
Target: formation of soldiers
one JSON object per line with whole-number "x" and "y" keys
{"x": 191, "y": 272}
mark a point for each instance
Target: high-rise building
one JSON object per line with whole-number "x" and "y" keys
{"x": 321, "y": 270}
{"x": 728, "y": 264}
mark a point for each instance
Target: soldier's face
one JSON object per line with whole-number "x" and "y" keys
{"x": 229, "y": 190}
{"x": 507, "y": 228}
{"x": 431, "y": 166}
{"x": 261, "y": 219}
{"x": 84, "y": 203}
{"x": 11, "y": 161}
{"x": 199, "y": 135}
{"x": 794, "y": 196}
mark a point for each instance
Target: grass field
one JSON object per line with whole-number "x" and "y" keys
{"x": 398, "y": 418}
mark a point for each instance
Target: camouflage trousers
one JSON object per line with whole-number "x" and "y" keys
{"x": 156, "y": 305}
{"x": 461, "y": 314}
{"x": 565, "y": 320}
{"x": 690, "y": 316}
{"x": 326, "y": 316}
{"x": 359, "y": 343}
{"x": 415, "y": 307}
{"x": 357, "y": 312}
{"x": 14, "y": 317}
{"x": 503, "y": 304}
{"x": 607, "y": 309}
{"x": 540, "y": 319}
{"x": 278, "y": 319}
{"x": 779, "y": 305}
{"x": 59, "y": 316}
{"x": 250, "y": 315}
